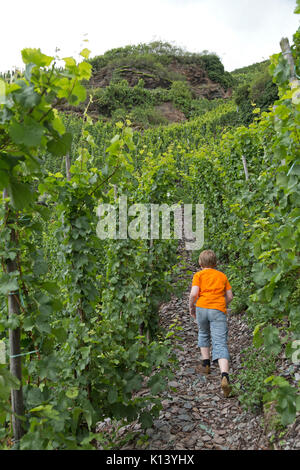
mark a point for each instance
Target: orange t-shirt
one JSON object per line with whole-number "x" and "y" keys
{"x": 212, "y": 286}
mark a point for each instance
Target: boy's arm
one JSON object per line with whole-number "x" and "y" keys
{"x": 192, "y": 300}
{"x": 228, "y": 296}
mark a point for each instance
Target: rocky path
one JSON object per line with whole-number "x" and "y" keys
{"x": 195, "y": 413}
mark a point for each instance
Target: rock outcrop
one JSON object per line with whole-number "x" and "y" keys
{"x": 196, "y": 76}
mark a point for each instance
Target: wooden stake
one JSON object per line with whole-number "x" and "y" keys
{"x": 68, "y": 164}
{"x": 245, "y": 167}
{"x": 17, "y": 401}
{"x": 294, "y": 82}
{"x": 287, "y": 52}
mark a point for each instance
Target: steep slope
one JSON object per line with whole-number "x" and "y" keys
{"x": 153, "y": 84}
{"x": 158, "y": 84}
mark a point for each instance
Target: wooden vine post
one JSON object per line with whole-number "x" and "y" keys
{"x": 245, "y": 167}
{"x": 287, "y": 53}
{"x": 17, "y": 402}
{"x": 68, "y": 165}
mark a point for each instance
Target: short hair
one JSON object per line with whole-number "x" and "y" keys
{"x": 207, "y": 259}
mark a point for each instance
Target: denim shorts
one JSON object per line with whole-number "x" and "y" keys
{"x": 212, "y": 331}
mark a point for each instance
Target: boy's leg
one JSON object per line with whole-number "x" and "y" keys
{"x": 203, "y": 339}
{"x": 224, "y": 365}
{"x": 205, "y": 353}
{"x": 218, "y": 331}
{"x": 218, "y": 325}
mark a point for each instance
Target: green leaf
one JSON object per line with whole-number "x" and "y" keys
{"x": 60, "y": 334}
{"x": 280, "y": 381}
{"x": 58, "y": 125}
{"x": 272, "y": 340}
{"x": 28, "y": 71}
{"x": 119, "y": 410}
{"x": 27, "y": 97}
{"x": 288, "y": 414}
{"x": 8, "y": 161}
{"x": 295, "y": 170}
{"x": 32, "y": 441}
{"x": 40, "y": 267}
{"x": 8, "y": 380}
{"x": 51, "y": 287}
{"x": 157, "y": 384}
{"x": 85, "y": 53}
{"x": 42, "y": 322}
{"x": 133, "y": 384}
{"x": 269, "y": 379}
{"x": 36, "y": 57}
{"x": 112, "y": 396}
{"x": 29, "y": 133}
{"x": 85, "y": 70}
{"x": 4, "y": 179}
{"x": 257, "y": 336}
{"x": 70, "y": 62}
{"x": 146, "y": 419}
{"x": 28, "y": 323}
{"x": 88, "y": 416}
{"x": 72, "y": 392}
{"x": 297, "y": 9}
{"x": 78, "y": 94}
{"x": 46, "y": 410}
{"x": 8, "y": 284}
{"x": 281, "y": 73}
{"x": 20, "y": 194}
{"x": 60, "y": 146}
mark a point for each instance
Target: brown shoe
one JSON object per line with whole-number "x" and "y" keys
{"x": 226, "y": 387}
{"x": 203, "y": 369}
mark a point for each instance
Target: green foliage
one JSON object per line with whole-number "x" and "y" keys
{"x": 146, "y": 116}
{"x": 260, "y": 92}
{"x": 181, "y": 95}
{"x": 247, "y": 74}
{"x": 201, "y": 106}
{"x": 250, "y": 386}
{"x": 121, "y": 95}
{"x": 157, "y": 55}
{"x": 239, "y": 276}
{"x": 215, "y": 70}
{"x": 93, "y": 364}
{"x": 286, "y": 398}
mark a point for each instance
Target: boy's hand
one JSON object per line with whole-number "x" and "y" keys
{"x": 193, "y": 313}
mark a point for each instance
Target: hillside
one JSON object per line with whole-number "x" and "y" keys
{"x": 155, "y": 83}
{"x": 158, "y": 84}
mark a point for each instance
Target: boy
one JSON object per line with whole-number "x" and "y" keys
{"x": 212, "y": 291}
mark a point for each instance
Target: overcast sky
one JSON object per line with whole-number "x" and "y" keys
{"x": 241, "y": 32}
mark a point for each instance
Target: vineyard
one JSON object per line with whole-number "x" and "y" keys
{"x": 80, "y": 335}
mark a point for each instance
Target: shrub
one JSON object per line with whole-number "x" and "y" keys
{"x": 250, "y": 386}
{"x": 181, "y": 96}
{"x": 119, "y": 114}
{"x": 121, "y": 95}
{"x": 146, "y": 116}
{"x": 261, "y": 91}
